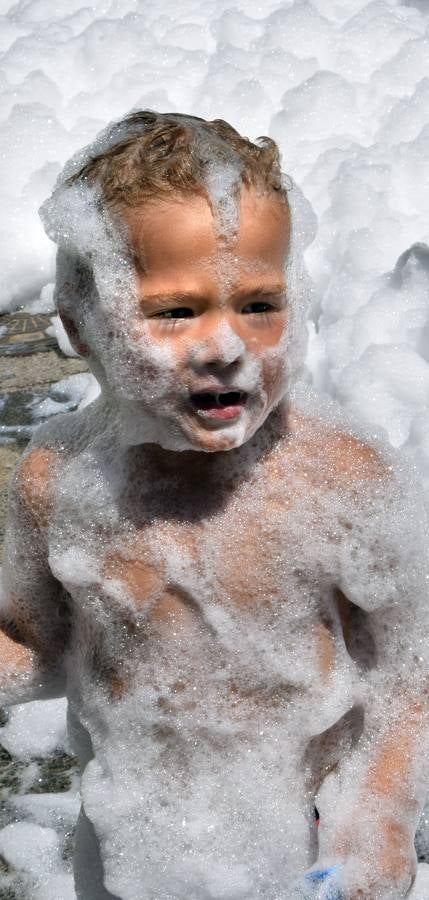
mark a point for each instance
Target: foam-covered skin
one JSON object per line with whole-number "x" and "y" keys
{"x": 233, "y": 629}
{"x": 29, "y": 670}
{"x": 208, "y": 648}
{"x": 209, "y": 316}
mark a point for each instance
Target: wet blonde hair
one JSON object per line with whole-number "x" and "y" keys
{"x": 159, "y": 154}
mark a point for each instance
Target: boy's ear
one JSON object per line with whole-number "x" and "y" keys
{"x": 73, "y": 334}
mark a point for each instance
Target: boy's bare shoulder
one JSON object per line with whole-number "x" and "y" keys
{"x": 333, "y": 455}
{"x": 33, "y": 476}
{"x": 41, "y": 465}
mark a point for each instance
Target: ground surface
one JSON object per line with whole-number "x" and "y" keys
{"x": 30, "y": 363}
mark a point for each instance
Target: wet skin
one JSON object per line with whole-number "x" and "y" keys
{"x": 160, "y": 617}
{"x": 219, "y": 306}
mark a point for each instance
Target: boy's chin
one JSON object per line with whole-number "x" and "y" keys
{"x": 202, "y": 440}
{"x": 221, "y": 439}
{"x": 217, "y": 443}
{"x": 183, "y": 433}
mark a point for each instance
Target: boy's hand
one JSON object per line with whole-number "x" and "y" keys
{"x": 384, "y": 870}
{"x": 319, "y": 884}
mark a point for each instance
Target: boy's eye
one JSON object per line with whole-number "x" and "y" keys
{"x": 179, "y": 312}
{"x": 257, "y": 306}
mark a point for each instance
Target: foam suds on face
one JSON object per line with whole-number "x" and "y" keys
{"x": 223, "y": 185}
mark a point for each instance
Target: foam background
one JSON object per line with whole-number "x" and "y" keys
{"x": 343, "y": 86}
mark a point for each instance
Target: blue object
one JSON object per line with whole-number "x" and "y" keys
{"x": 321, "y": 884}
{"x": 318, "y": 875}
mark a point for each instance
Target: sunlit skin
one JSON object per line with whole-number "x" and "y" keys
{"x": 199, "y": 294}
{"x": 194, "y": 285}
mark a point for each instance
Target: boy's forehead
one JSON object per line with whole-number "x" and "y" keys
{"x": 168, "y": 232}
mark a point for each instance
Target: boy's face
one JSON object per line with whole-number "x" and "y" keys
{"x": 211, "y": 313}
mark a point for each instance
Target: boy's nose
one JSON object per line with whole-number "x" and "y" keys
{"x": 221, "y": 347}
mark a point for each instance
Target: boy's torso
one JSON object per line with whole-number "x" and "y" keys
{"x": 207, "y": 649}
{"x": 222, "y": 592}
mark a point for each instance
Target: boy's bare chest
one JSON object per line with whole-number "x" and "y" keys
{"x": 249, "y": 552}
{"x": 236, "y": 581}
{"x": 252, "y": 548}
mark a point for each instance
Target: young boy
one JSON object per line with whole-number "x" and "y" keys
{"x": 228, "y": 583}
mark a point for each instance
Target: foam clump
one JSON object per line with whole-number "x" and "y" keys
{"x": 35, "y": 851}
{"x": 25, "y": 845}
{"x": 58, "y": 331}
{"x": 45, "y": 302}
{"x": 27, "y": 734}
{"x": 421, "y": 886}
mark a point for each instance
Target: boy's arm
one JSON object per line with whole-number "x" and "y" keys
{"x": 380, "y": 788}
{"x": 34, "y": 614}
{"x": 372, "y": 804}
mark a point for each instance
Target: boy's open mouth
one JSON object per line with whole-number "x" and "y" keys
{"x": 219, "y": 404}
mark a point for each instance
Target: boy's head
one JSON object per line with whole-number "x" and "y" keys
{"x": 174, "y": 276}
{"x": 151, "y": 155}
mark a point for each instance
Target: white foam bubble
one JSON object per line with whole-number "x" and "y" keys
{"x": 58, "y": 331}
{"x": 28, "y": 734}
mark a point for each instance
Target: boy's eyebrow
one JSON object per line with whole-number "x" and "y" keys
{"x": 267, "y": 289}
{"x": 180, "y": 296}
